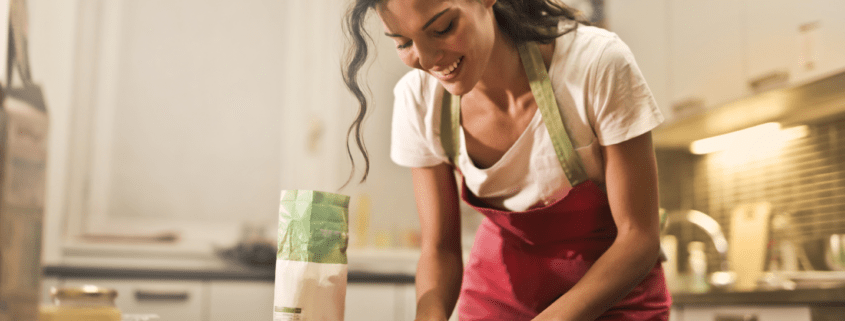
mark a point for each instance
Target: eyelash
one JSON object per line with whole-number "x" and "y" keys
{"x": 439, "y": 33}
{"x": 445, "y": 31}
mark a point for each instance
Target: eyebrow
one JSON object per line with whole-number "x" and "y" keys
{"x": 430, "y": 21}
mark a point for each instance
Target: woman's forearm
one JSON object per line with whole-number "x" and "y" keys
{"x": 438, "y": 282}
{"x": 631, "y": 181}
{"x": 621, "y": 268}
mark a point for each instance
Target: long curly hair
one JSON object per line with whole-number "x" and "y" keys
{"x": 520, "y": 20}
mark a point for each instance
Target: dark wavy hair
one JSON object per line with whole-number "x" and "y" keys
{"x": 520, "y": 20}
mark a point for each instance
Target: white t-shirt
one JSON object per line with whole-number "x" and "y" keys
{"x": 603, "y": 99}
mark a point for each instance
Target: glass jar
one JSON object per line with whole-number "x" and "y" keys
{"x": 87, "y": 302}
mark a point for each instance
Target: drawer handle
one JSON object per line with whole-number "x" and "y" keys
{"x": 688, "y": 106}
{"x": 769, "y": 80}
{"x": 148, "y": 295}
{"x": 736, "y": 317}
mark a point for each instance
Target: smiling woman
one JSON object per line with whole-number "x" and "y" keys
{"x": 547, "y": 120}
{"x": 513, "y": 17}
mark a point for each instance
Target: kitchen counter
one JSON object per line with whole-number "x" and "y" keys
{"x": 819, "y": 304}
{"x": 817, "y": 296}
{"x": 228, "y": 273}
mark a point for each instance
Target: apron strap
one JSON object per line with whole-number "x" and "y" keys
{"x": 541, "y": 88}
{"x": 450, "y": 125}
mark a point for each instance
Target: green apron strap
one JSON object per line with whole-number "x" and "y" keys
{"x": 541, "y": 87}
{"x": 450, "y": 124}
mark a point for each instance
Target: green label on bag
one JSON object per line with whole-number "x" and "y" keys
{"x": 313, "y": 226}
{"x": 288, "y": 310}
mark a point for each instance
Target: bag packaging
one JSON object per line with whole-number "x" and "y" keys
{"x": 23, "y": 160}
{"x": 311, "y": 269}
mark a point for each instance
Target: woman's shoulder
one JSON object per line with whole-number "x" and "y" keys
{"x": 416, "y": 88}
{"x": 592, "y": 49}
{"x": 415, "y": 82}
{"x": 589, "y": 39}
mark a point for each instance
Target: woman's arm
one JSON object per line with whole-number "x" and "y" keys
{"x": 631, "y": 178}
{"x": 440, "y": 266}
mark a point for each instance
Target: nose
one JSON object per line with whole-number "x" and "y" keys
{"x": 428, "y": 55}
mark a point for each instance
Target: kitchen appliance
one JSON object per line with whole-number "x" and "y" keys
{"x": 23, "y": 155}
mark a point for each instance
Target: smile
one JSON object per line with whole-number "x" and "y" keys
{"x": 445, "y": 73}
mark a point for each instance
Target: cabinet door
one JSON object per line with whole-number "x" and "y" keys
{"x": 676, "y": 314}
{"x": 705, "y": 41}
{"x": 407, "y": 301}
{"x": 643, "y": 26}
{"x": 827, "y": 38}
{"x": 47, "y": 283}
{"x": 177, "y": 127}
{"x": 774, "y": 313}
{"x": 773, "y": 46}
{"x": 171, "y": 300}
{"x": 240, "y": 300}
{"x": 372, "y": 302}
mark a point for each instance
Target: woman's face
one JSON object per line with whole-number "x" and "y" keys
{"x": 449, "y": 39}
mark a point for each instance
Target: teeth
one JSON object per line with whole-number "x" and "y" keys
{"x": 450, "y": 68}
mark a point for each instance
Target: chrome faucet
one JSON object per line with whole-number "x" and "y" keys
{"x": 724, "y": 278}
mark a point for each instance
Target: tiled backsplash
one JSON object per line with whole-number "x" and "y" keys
{"x": 803, "y": 180}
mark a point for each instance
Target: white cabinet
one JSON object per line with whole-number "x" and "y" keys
{"x": 172, "y": 300}
{"x": 729, "y": 313}
{"x": 46, "y": 284}
{"x": 240, "y": 300}
{"x": 643, "y": 26}
{"x": 827, "y": 39}
{"x": 774, "y": 56}
{"x": 789, "y": 44}
{"x": 705, "y": 61}
{"x": 374, "y": 302}
{"x": 700, "y": 54}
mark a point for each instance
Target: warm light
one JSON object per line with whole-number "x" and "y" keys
{"x": 741, "y": 137}
{"x": 768, "y": 136}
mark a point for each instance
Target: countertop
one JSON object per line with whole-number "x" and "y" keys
{"x": 364, "y": 266}
{"x": 812, "y": 296}
{"x": 228, "y": 273}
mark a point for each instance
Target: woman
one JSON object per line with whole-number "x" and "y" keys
{"x": 548, "y": 124}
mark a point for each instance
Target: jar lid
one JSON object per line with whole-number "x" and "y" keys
{"x": 83, "y": 292}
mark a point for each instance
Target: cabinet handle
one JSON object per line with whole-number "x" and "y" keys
{"x": 149, "y": 295}
{"x": 769, "y": 80}
{"x": 736, "y": 317}
{"x": 688, "y": 106}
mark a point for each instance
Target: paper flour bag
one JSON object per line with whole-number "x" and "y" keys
{"x": 311, "y": 258}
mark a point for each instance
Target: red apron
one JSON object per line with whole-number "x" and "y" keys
{"x": 521, "y": 262}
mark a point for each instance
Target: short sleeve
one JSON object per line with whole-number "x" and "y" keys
{"x": 623, "y": 105}
{"x": 412, "y": 143}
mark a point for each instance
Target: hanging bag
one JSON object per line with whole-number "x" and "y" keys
{"x": 23, "y": 158}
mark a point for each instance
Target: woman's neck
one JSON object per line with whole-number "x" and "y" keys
{"x": 504, "y": 80}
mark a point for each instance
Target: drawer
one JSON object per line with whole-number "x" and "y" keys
{"x": 746, "y": 313}
{"x": 172, "y": 300}
{"x": 240, "y": 300}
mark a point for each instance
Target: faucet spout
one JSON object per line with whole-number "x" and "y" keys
{"x": 724, "y": 278}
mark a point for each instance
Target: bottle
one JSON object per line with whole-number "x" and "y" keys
{"x": 669, "y": 246}
{"x": 698, "y": 267}
{"x": 88, "y": 302}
